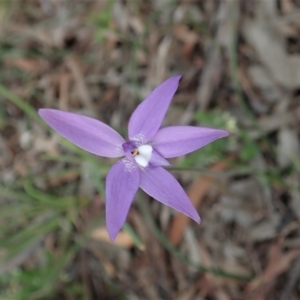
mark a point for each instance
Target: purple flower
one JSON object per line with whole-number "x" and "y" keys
{"x": 143, "y": 154}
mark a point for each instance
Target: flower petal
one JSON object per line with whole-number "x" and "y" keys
{"x": 157, "y": 160}
{"x": 148, "y": 116}
{"x": 85, "y": 132}
{"x": 121, "y": 185}
{"x": 179, "y": 140}
{"x": 162, "y": 186}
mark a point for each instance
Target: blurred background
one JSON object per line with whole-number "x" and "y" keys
{"x": 240, "y": 62}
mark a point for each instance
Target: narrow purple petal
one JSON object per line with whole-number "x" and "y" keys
{"x": 162, "y": 186}
{"x": 85, "y": 132}
{"x": 179, "y": 140}
{"x": 157, "y": 160}
{"x": 148, "y": 116}
{"x": 122, "y": 184}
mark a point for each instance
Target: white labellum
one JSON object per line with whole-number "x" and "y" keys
{"x": 144, "y": 156}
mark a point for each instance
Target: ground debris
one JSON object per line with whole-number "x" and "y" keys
{"x": 240, "y": 62}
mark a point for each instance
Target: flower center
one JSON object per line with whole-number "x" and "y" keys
{"x": 142, "y": 155}
{"x": 135, "y": 152}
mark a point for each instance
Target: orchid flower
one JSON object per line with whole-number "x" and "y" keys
{"x": 142, "y": 156}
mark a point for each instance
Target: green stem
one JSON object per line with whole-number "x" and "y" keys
{"x": 4, "y": 92}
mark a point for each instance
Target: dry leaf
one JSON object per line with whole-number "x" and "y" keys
{"x": 123, "y": 239}
{"x": 278, "y": 262}
{"x": 196, "y": 193}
